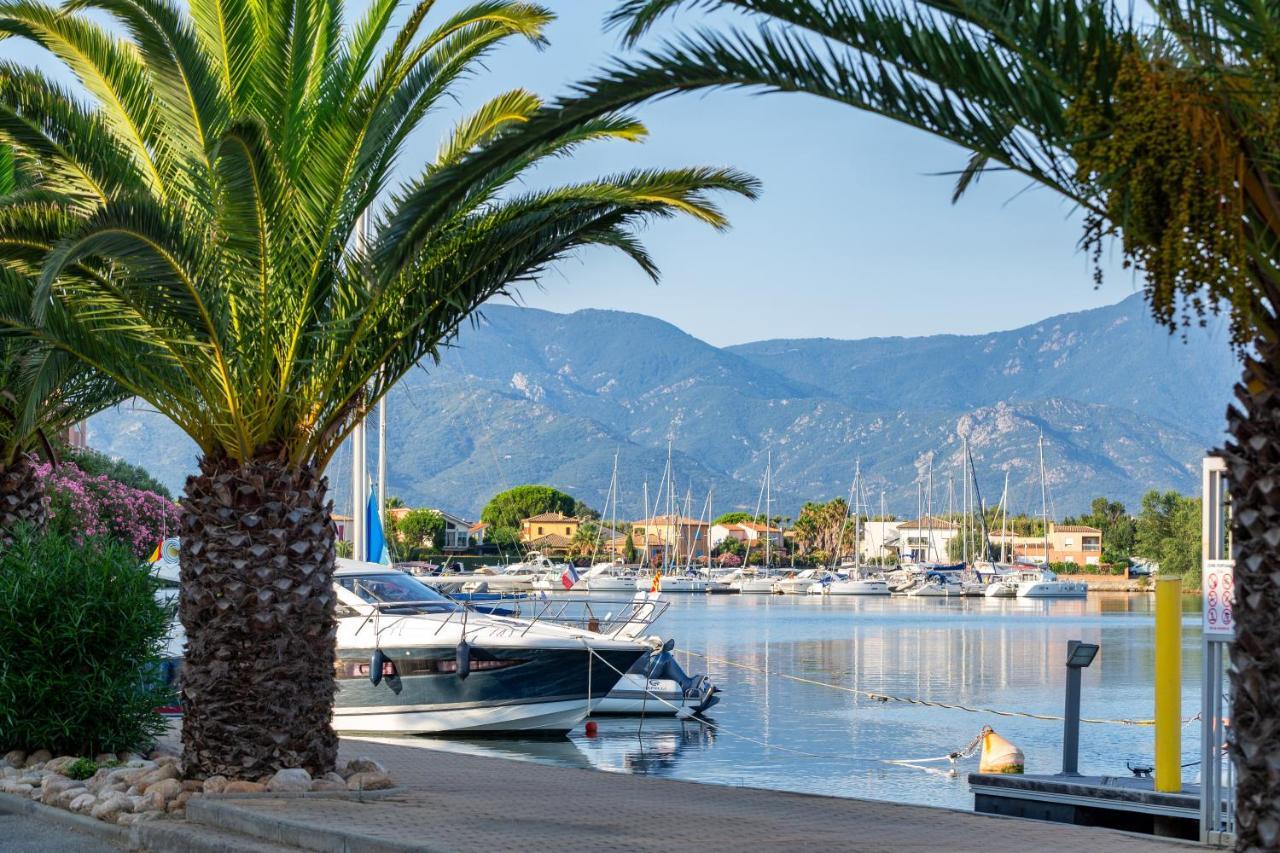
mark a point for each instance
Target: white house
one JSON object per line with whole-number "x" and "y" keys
{"x": 879, "y": 539}
{"x": 747, "y": 532}
{"x": 924, "y": 540}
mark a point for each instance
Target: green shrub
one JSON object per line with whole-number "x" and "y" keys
{"x": 80, "y": 769}
{"x": 81, "y": 638}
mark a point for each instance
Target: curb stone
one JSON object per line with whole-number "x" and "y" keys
{"x": 291, "y": 833}
{"x": 13, "y": 804}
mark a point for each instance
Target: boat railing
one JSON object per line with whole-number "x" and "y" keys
{"x": 605, "y": 616}
{"x": 608, "y": 617}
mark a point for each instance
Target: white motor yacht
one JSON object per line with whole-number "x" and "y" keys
{"x": 1045, "y": 584}
{"x": 863, "y": 583}
{"x": 756, "y": 582}
{"x": 410, "y": 661}
{"x": 608, "y": 577}
{"x": 796, "y": 583}
{"x": 535, "y": 571}
{"x": 672, "y": 583}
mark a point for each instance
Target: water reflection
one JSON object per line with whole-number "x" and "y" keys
{"x": 775, "y": 730}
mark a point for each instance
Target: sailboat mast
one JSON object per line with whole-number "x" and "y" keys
{"x": 648, "y": 517}
{"x": 1044, "y": 503}
{"x": 882, "y": 527}
{"x": 928, "y": 510}
{"x": 1004, "y": 521}
{"x": 768, "y": 507}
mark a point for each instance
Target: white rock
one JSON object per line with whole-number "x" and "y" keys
{"x": 67, "y": 797}
{"x": 52, "y": 785}
{"x": 215, "y": 784}
{"x": 363, "y": 764}
{"x": 38, "y": 758}
{"x": 12, "y": 786}
{"x": 151, "y": 801}
{"x": 290, "y": 781}
{"x": 369, "y": 781}
{"x": 166, "y": 789}
{"x": 59, "y": 764}
{"x": 83, "y": 804}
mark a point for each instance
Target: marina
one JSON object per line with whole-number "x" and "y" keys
{"x": 788, "y": 720}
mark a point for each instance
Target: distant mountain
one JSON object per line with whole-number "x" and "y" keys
{"x": 533, "y": 396}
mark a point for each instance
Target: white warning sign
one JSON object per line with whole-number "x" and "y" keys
{"x": 1219, "y": 590}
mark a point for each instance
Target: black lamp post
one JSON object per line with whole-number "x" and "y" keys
{"x": 1079, "y": 656}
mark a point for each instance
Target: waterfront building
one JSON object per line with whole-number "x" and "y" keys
{"x": 749, "y": 533}
{"x": 545, "y": 524}
{"x": 1068, "y": 543}
{"x": 878, "y": 539}
{"x": 925, "y": 539}
{"x": 686, "y": 537}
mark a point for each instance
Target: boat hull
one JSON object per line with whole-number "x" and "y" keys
{"x": 507, "y": 689}
{"x": 662, "y": 698}
{"x": 1052, "y": 589}
{"x": 761, "y": 587}
{"x": 858, "y": 588}
{"x": 548, "y": 717}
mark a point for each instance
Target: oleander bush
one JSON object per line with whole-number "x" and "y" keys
{"x": 81, "y": 642}
{"x": 83, "y": 505}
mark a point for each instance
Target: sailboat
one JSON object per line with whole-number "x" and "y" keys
{"x": 612, "y": 576}
{"x": 759, "y": 579}
{"x": 667, "y": 580}
{"x": 1043, "y": 583}
{"x": 858, "y": 580}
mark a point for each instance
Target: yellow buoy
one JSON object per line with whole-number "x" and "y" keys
{"x": 999, "y": 755}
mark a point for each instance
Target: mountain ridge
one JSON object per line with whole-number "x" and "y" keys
{"x": 528, "y": 395}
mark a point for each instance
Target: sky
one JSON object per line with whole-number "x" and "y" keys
{"x": 854, "y": 235}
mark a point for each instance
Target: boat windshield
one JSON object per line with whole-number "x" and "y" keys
{"x": 396, "y": 588}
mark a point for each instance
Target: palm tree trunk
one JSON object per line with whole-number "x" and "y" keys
{"x": 257, "y": 604}
{"x": 1253, "y": 457}
{"x": 22, "y": 499}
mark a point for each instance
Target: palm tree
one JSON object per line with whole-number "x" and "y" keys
{"x": 198, "y": 220}
{"x": 42, "y": 393}
{"x": 1161, "y": 130}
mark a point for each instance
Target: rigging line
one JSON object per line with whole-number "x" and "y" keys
{"x": 910, "y": 700}
{"x": 719, "y": 728}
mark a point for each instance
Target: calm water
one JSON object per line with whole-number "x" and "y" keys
{"x": 777, "y": 733}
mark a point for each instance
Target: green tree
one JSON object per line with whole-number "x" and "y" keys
{"x": 824, "y": 528}
{"x": 1118, "y": 529}
{"x": 629, "y": 552}
{"x": 99, "y": 464}
{"x": 583, "y": 511}
{"x": 738, "y": 517}
{"x": 1168, "y": 532}
{"x": 507, "y": 509}
{"x": 394, "y": 502}
{"x": 1158, "y": 126}
{"x": 216, "y": 220}
{"x": 422, "y": 528}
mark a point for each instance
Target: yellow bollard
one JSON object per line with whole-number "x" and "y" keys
{"x": 1168, "y": 775}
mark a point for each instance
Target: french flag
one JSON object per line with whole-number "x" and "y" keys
{"x": 570, "y": 576}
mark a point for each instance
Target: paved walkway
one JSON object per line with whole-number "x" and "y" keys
{"x": 467, "y": 803}
{"x": 24, "y": 834}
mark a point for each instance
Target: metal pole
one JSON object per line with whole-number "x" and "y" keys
{"x": 1168, "y": 772}
{"x": 1071, "y": 718}
{"x": 382, "y": 469}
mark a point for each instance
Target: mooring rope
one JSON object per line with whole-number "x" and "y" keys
{"x": 911, "y": 700}
{"x": 716, "y": 726}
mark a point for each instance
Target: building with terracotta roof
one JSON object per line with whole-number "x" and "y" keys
{"x": 687, "y": 538}
{"x": 1068, "y": 543}
{"x": 925, "y": 539}
{"x": 749, "y": 533}
{"x": 536, "y": 527}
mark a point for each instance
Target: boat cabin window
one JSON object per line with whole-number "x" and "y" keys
{"x": 396, "y": 588}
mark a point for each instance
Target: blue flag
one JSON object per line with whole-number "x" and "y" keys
{"x": 377, "y": 544}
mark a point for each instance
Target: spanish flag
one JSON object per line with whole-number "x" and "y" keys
{"x": 155, "y": 555}
{"x": 656, "y": 586}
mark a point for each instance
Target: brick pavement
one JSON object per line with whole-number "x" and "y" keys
{"x": 458, "y": 802}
